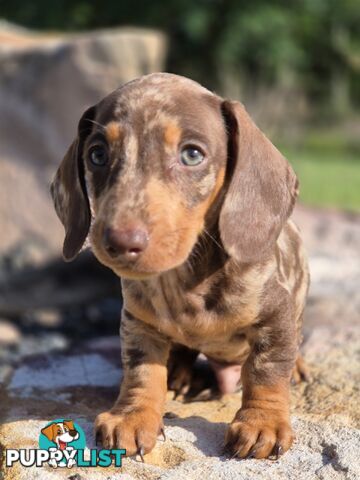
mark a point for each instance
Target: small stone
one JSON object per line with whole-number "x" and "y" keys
{"x": 9, "y": 334}
{"x": 75, "y": 477}
{"x": 170, "y": 415}
{"x": 5, "y": 372}
{"x": 48, "y": 318}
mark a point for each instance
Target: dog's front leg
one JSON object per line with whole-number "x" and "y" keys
{"x": 135, "y": 421}
{"x": 262, "y": 426}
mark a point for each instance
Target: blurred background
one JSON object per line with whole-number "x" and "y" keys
{"x": 294, "y": 64}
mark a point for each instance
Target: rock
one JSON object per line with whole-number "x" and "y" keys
{"x": 332, "y": 239}
{"x": 49, "y": 318}
{"x": 9, "y": 334}
{"x": 5, "y": 372}
{"x": 58, "y": 286}
{"x": 46, "y": 82}
{"x": 329, "y": 232}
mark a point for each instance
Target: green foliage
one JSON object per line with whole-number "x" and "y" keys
{"x": 328, "y": 177}
{"x": 313, "y": 44}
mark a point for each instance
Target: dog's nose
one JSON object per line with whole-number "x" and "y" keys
{"x": 126, "y": 243}
{"x": 73, "y": 433}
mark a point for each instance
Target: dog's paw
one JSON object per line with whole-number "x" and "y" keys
{"x": 256, "y": 433}
{"x": 136, "y": 431}
{"x": 179, "y": 379}
{"x": 180, "y": 369}
{"x": 53, "y": 463}
{"x": 71, "y": 462}
{"x": 301, "y": 372}
{"x": 193, "y": 382}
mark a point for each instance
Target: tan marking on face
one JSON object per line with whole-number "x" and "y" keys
{"x": 219, "y": 183}
{"x": 207, "y": 182}
{"x": 113, "y": 132}
{"x": 171, "y": 232}
{"x": 172, "y": 135}
{"x": 173, "y": 227}
{"x": 131, "y": 154}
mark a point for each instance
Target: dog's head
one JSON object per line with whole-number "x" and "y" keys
{"x": 61, "y": 433}
{"x": 157, "y": 160}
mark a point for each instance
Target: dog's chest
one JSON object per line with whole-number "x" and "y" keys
{"x": 213, "y": 317}
{"x": 195, "y": 319}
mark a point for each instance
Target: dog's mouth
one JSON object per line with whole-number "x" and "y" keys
{"x": 155, "y": 260}
{"x": 132, "y": 272}
{"x": 138, "y": 250}
{"x": 142, "y": 270}
{"x": 62, "y": 445}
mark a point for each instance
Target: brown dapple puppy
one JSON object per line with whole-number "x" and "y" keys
{"x": 188, "y": 202}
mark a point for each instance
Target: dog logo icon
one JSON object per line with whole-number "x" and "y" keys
{"x": 62, "y": 443}
{"x": 65, "y": 438}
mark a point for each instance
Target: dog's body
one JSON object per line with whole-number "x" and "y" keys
{"x": 190, "y": 205}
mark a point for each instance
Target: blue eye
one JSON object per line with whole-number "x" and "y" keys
{"x": 98, "y": 156}
{"x": 191, "y": 156}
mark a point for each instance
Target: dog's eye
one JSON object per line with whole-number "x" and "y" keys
{"x": 191, "y": 156}
{"x": 98, "y": 156}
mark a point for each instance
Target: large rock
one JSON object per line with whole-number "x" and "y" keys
{"x": 46, "y": 82}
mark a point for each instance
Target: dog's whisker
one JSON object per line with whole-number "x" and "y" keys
{"x": 214, "y": 240}
{"x": 95, "y": 123}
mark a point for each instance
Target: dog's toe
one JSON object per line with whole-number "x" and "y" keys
{"x": 136, "y": 432}
{"x": 258, "y": 434}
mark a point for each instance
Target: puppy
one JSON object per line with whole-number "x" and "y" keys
{"x": 187, "y": 201}
{"x": 61, "y": 433}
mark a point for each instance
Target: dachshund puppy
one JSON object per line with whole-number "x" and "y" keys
{"x": 187, "y": 201}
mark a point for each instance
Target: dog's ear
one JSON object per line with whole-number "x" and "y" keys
{"x": 68, "y": 191}
{"x": 50, "y": 432}
{"x": 69, "y": 424}
{"x": 262, "y": 189}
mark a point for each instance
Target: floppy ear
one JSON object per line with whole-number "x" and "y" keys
{"x": 261, "y": 192}
{"x": 68, "y": 191}
{"x": 50, "y": 432}
{"x": 69, "y": 424}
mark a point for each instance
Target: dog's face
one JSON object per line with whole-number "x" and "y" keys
{"x": 151, "y": 162}
{"x": 153, "y": 169}
{"x": 61, "y": 433}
